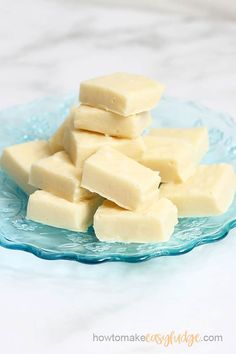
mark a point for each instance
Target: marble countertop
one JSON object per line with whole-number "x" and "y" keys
{"x": 47, "y": 48}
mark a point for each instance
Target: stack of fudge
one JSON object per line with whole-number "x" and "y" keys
{"x": 98, "y": 169}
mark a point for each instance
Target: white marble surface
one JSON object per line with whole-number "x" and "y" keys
{"x": 47, "y": 47}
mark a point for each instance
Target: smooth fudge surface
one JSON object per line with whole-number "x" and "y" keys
{"x": 57, "y": 174}
{"x": 109, "y": 123}
{"x": 121, "y": 93}
{"x": 48, "y": 209}
{"x": 174, "y": 159}
{"x": 56, "y": 140}
{"x": 17, "y": 159}
{"x": 197, "y": 137}
{"x": 154, "y": 224}
{"x": 81, "y": 144}
{"x": 120, "y": 179}
{"x": 210, "y": 191}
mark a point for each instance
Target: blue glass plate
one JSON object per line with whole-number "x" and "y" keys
{"x": 39, "y": 119}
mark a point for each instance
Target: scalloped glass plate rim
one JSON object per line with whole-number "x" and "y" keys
{"x": 73, "y": 256}
{"x": 58, "y": 106}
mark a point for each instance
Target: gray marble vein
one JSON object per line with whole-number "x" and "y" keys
{"x": 46, "y": 48}
{"x": 193, "y": 52}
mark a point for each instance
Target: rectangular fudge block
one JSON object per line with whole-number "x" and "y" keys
{"x": 121, "y": 93}
{"x": 109, "y": 123}
{"x": 210, "y": 191}
{"x": 197, "y": 137}
{"x": 56, "y": 174}
{"x": 120, "y": 179}
{"x": 56, "y": 140}
{"x": 16, "y": 160}
{"x": 174, "y": 159}
{"x": 154, "y": 224}
{"x": 81, "y": 144}
{"x": 48, "y": 209}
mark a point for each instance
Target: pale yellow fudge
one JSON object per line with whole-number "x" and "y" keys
{"x": 121, "y": 93}
{"x": 56, "y": 140}
{"x": 109, "y": 123}
{"x": 197, "y": 137}
{"x": 49, "y": 209}
{"x": 16, "y": 160}
{"x": 210, "y": 191}
{"x": 154, "y": 224}
{"x": 57, "y": 174}
{"x": 174, "y": 159}
{"x": 120, "y": 179}
{"x": 81, "y": 144}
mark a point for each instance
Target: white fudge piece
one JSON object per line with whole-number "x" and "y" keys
{"x": 120, "y": 179}
{"x": 197, "y": 137}
{"x": 210, "y": 191}
{"x": 16, "y": 160}
{"x": 121, "y": 93}
{"x": 81, "y": 144}
{"x": 154, "y": 224}
{"x": 174, "y": 159}
{"x": 56, "y": 174}
{"x": 56, "y": 140}
{"x": 48, "y": 209}
{"x": 109, "y": 123}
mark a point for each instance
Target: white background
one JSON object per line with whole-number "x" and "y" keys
{"x": 48, "y": 47}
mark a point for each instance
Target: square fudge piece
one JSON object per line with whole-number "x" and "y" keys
{"x": 109, "y": 123}
{"x": 57, "y": 174}
{"x": 56, "y": 140}
{"x": 121, "y": 93}
{"x": 81, "y": 144}
{"x": 210, "y": 191}
{"x": 17, "y": 160}
{"x": 197, "y": 137}
{"x": 154, "y": 224}
{"x": 120, "y": 179}
{"x": 174, "y": 159}
{"x": 48, "y": 209}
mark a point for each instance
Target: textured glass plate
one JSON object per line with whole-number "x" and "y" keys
{"x": 39, "y": 119}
